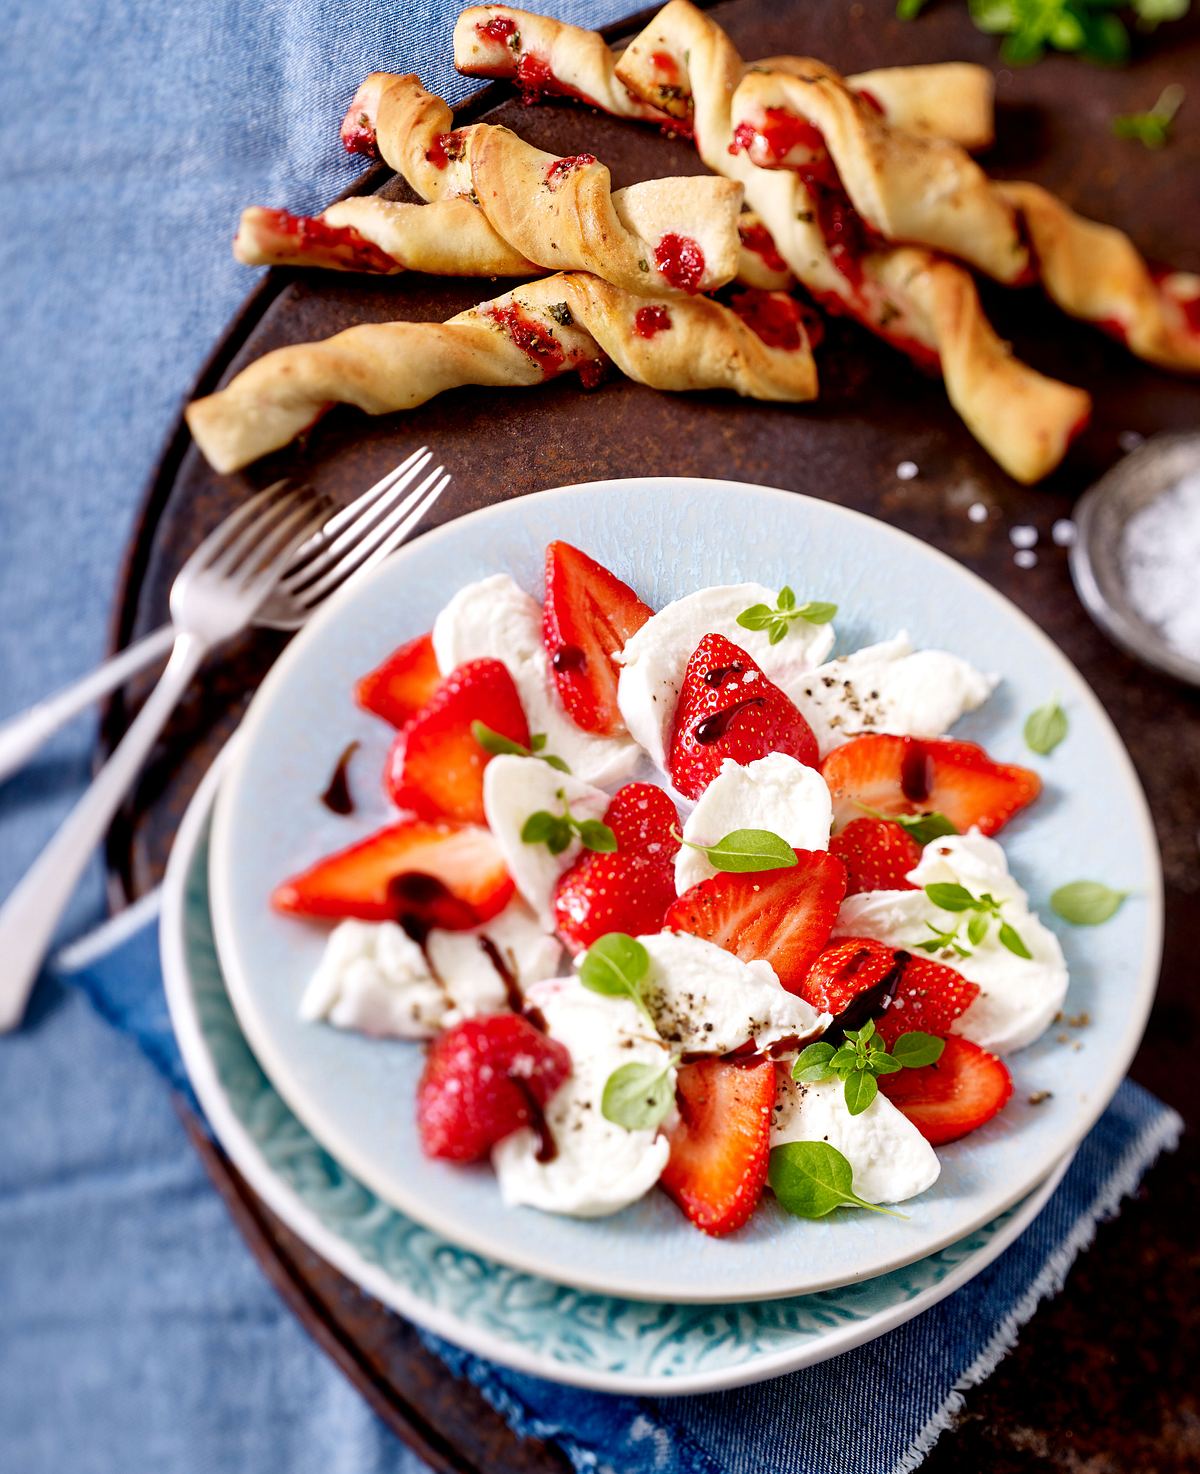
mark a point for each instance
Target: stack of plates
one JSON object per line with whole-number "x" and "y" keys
{"x": 321, "y": 1122}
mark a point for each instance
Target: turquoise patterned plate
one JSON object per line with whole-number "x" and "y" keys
{"x": 586, "y": 1339}
{"x": 667, "y": 536}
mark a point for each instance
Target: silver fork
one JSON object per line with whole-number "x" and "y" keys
{"x": 229, "y": 580}
{"x": 286, "y": 608}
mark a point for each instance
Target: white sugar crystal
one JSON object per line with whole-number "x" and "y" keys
{"x": 977, "y": 512}
{"x": 1160, "y": 557}
{"x": 1025, "y": 558}
{"x": 1023, "y": 537}
{"x": 1063, "y": 532}
{"x": 906, "y": 470}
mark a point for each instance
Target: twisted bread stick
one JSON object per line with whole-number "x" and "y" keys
{"x": 548, "y": 57}
{"x": 547, "y": 327}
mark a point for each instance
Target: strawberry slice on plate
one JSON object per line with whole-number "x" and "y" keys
{"x": 644, "y": 819}
{"x": 877, "y": 855}
{"x": 907, "y": 775}
{"x": 721, "y": 1143}
{"x": 958, "y": 1094}
{"x": 729, "y": 709}
{"x": 925, "y": 996}
{"x": 618, "y": 892}
{"x": 435, "y": 767}
{"x": 484, "y": 1079}
{"x": 430, "y": 874}
{"x": 400, "y": 687}
{"x": 588, "y": 616}
{"x": 784, "y": 916}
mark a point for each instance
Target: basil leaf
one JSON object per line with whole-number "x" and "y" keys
{"x": 1045, "y": 728}
{"x": 597, "y": 836}
{"x": 977, "y": 929}
{"x": 1086, "y": 902}
{"x": 844, "y": 1061}
{"x": 812, "y": 1178}
{"x": 637, "y": 1096}
{"x": 496, "y": 742}
{"x": 787, "y": 599}
{"x": 909, "y": 9}
{"x": 815, "y": 612}
{"x": 757, "y": 617}
{"x": 538, "y": 828}
{"x": 861, "y": 1089}
{"x": 778, "y": 631}
{"x": 743, "y": 851}
{"x": 616, "y": 966}
{"x": 560, "y": 838}
{"x": 1011, "y": 938}
{"x": 949, "y": 896}
{"x": 924, "y": 827}
{"x": 811, "y": 1065}
{"x": 883, "y": 1063}
{"x": 914, "y": 1051}
{"x": 554, "y": 761}
{"x": 536, "y": 743}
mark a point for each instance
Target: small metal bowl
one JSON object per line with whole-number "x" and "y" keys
{"x": 1100, "y": 517}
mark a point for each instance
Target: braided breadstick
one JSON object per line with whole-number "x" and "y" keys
{"x": 547, "y": 327}
{"x": 919, "y": 302}
{"x": 548, "y": 57}
{"x": 662, "y": 235}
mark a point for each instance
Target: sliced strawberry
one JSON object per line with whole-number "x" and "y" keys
{"x": 907, "y": 775}
{"x": 643, "y": 818}
{"x": 784, "y": 916}
{"x": 925, "y": 996}
{"x": 435, "y": 767}
{"x": 484, "y": 1079}
{"x": 400, "y": 687}
{"x": 728, "y": 709}
{"x": 721, "y": 1144}
{"x": 965, "y": 1088}
{"x": 603, "y": 893}
{"x": 877, "y": 855}
{"x": 589, "y": 614}
{"x": 446, "y": 875}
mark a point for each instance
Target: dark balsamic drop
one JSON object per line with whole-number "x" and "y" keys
{"x": 871, "y": 1002}
{"x": 713, "y": 728}
{"x": 512, "y": 989}
{"x": 547, "y": 1146}
{"x": 337, "y": 797}
{"x": 568, "y": 657}
{"x": 719, "y": 673}
{"x": 916, "y": 773}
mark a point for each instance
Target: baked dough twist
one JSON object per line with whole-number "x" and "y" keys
{"x": 539, "y": 330}
{"x": 920, "y": 302}
{"x": 549, "y": 57}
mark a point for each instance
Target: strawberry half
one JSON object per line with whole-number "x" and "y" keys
{"x": 484, "y": 1079}
{"x": 729, "y": 709}
{"x": 946, "y": 1100}
{"x": 631, "y": 890}
{"x": 588, "y": 616}
{"x": 926, "y": 996}
{"x": 400, "y": 687}
{"x": 446, "y": 875}
{"x": 784, "y": 916}
{"x": 721, "y": 1144}
{"x": 907, "y": 775}
{"x": 877, "y": 855}
{"x": 435, "y": 767}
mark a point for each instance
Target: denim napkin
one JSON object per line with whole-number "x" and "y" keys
{"x": 882, "y": 1406}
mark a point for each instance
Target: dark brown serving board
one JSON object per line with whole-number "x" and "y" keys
{"x": 1080, "y": 1355}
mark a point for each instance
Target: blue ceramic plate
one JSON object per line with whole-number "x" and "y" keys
{"x": 667, "y": 537}
{"x": 590, "y": 1340}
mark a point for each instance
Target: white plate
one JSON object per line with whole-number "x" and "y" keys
{"x": 609, "y": 1345}
{"x": 667, "y": 537}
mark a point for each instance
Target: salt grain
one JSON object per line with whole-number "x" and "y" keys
{"x": 906, "y": 470}
{"x": 977, "y": 512}
{"x": 1023, "y": 537}
{"x": 1025, "y": 558}
{"x": 1063, "y": 532}
{"x": 1160, "y": 556}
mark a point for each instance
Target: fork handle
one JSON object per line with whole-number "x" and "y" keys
{"x": 22, "y": 735}
{"x": 31, "y": 914}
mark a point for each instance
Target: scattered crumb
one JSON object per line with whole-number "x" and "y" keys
{"x": 1039, "y": 1096}
{"x": 1077, "y": 1046}
{"x": 906, "y": 470}
{"x": 1130, "y": 440}
{"x": 1063, "y": 532}
{"x": 1080, "y": 1020}
{"x": 1063, "y": 1038}
{"x": 977, "y": 512}
{"x": 1023, "y": 536}
{"x": 1058, "y": 1017}
{"x": 1025, "y": 558}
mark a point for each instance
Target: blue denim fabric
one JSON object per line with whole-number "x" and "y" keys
{"x": 136, "y": 1333}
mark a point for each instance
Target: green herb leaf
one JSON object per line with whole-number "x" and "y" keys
{"x": 1011, "y": 938}
{"x": 1045, "y": 728}
{"x": 616, "y": 965}
{"x": 909, "y": 9}
{"x": 977, "y": 928}
{"x": 497, "y": 743}
{"x": 843, "y": 1061}
{"x": 949, "y": 896}
{"x": 778, "y": 621}
{"x": 1152, "y": 129}
{"x": 924, "y": 827}
{"x": 744, "y": 851}
{"x": 812, "y": 1065}
{"x": 638, "y": 1096}
{"x": 757, "y": 617}
{"x": 861, "y": 1090}
{"x": 1086, "y": 902}
{"x": 816, "y": 612}
{"x": 883, "y": 1063}
{"x": 595, "y": 835}
{"x": 916, "y": 1050}
{"x": 539, "y": 827}
{"x": 812, "y": 1178}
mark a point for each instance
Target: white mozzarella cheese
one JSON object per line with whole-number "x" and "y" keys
{"x": 775, "y": 792}
{"x": 598, "y": 1167}
{"x": 514, "y": 788}
{"x": 1018, "y": 997}
{"x": 706, "y": 1000}
{"x": 655, "y": 658}
{"x": 373, "y": 977}
{"x": 888, "y": 1156}
{"x": 466, "y": 961}
{"x": 889, "y": 687}
{"x": 496, "y": 619}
